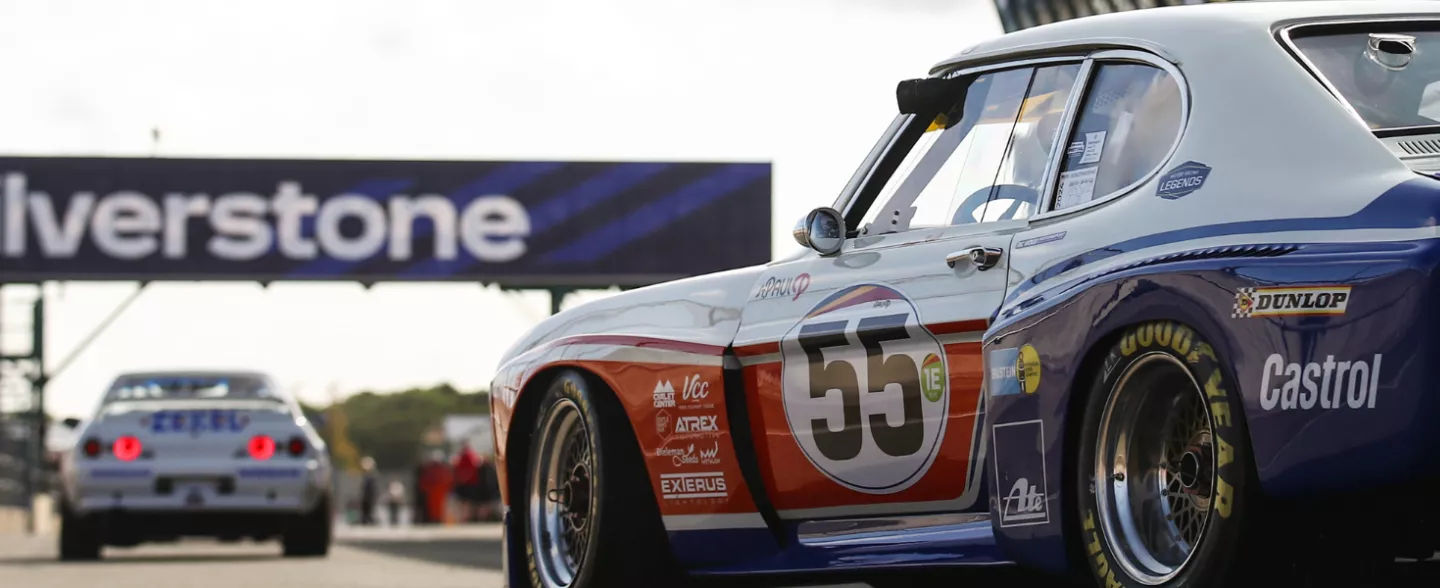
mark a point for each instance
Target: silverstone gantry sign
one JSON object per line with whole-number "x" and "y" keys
{"x": 528, "y": 224}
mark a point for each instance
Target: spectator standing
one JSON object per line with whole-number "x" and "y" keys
{"x": 420, "y": 508}
{"x": 467, "y": 481}
{"x": 436, "y": 483}
{"x": 489, "y": 489}
{"x": 369, "y": 491}
{"x": 396, "y": 498}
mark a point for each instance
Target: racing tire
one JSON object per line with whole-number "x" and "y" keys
{"x": 80, "y": 537}
{"x": 590, "y": 517}
{"x": 310, "y": 536}
{"x": 1163, "y": 447}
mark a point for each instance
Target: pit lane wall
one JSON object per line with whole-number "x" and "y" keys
{"x": 1023, "y": 14}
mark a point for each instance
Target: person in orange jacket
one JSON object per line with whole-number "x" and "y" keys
{"x": 435, "y": 482}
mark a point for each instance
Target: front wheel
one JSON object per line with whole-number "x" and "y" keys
{"x": 1163, "y": 470}
{"x": 590, "y": 516}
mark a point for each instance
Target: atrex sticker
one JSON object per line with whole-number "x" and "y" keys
{"x": 1020, "y": 479}
{"x": 1182, "y": 180}
{"x": 866, "y": 389}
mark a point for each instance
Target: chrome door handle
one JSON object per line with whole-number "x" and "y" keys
{"x": 982, "y": 258}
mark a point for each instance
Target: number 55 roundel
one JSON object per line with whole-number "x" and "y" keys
{"x": 865, "y": 389}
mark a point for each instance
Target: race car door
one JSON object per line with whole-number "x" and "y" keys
{"x": 863, "y": 368}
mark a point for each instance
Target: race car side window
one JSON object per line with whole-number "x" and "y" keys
{"x": 952, "y": 153}
{"x": 1127, "y": 122}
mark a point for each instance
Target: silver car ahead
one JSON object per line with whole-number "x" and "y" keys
{"x": 215, "y": 454}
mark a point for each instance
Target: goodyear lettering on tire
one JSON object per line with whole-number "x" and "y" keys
{"x": 1098, "y": 561}
{"x": 1205, "y": 367}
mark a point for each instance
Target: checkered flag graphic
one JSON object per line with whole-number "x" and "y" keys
{"x": 1244, "y": 303}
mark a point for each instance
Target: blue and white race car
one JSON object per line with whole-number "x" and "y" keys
{"x": 218, "y": 454}
{"x": 1142, "y": 298}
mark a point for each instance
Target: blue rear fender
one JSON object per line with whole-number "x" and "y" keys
{"x": 1315, "y": 430}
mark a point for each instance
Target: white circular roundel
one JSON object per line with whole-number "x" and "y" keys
{"x": 866, "y": 390}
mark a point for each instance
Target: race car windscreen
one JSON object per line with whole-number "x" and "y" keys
{"x": 1390, "y": 78}
{"x": 134, "y": 388}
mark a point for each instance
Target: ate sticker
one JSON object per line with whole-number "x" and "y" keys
{"x": 1077, "y": 187}
{"x": 1094, "y": 147}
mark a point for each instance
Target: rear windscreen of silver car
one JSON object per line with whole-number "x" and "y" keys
{"x": 190, "y": 387}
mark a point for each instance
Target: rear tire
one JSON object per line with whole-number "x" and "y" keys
{"x": 1164, "y": 473}
{"x": 590, "y": 517}
{"x": 310, "y": 536}
{"x": 80, "y": 537}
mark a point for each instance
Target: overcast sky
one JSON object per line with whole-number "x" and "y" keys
{"x": 805, "y": 84}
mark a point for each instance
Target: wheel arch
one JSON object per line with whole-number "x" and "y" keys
{"x": 527, "y": 409}
{"x": 1073, "y": 330}
{"x": 1091, "y": 362}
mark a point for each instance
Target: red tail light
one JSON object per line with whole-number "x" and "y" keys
{"x": 92, "y": 447}
{"x": 261, "y": 447}
{"x": 297, "y": 447}
{"x": 127, "y": 448}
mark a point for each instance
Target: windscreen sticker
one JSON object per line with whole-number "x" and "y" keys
{"x": 1094, "y": 147}
{"x": 1077, "y": 187}
{"x": 1182, "y": 180}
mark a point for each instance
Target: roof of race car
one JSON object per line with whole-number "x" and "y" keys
{"x": 194, "y": 374}
{"x": 1188, "y": 32}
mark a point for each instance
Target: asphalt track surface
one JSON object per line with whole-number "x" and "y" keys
{"x": 467, "y": 557}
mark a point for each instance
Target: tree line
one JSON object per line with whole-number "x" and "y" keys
{"x": 390, "y": 427}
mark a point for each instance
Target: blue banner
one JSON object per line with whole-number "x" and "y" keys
{"x": 516, "y": 223}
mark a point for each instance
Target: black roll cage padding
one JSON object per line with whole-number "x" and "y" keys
{"x": 930, "y": 95}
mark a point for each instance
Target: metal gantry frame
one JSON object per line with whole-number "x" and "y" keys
{"x": 32, "y": 364}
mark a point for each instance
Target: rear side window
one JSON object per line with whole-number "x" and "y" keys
{"x": 1391, "y": 79}
{"x": 1127, "y": 122}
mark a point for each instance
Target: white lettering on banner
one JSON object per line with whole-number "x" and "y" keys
{"x": 130, "y": 225}
{"x": 696, "y": 424}
{"x": 1354, "y": 384}
{"x": 698, "y": 485}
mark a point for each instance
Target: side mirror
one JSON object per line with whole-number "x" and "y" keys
{"x": 822, "y": 230}
{"x": 71, "y": 423}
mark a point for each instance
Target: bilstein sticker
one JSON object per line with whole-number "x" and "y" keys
{"x": 1014, "y": 371}
{"x": 1291, "y": 301}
